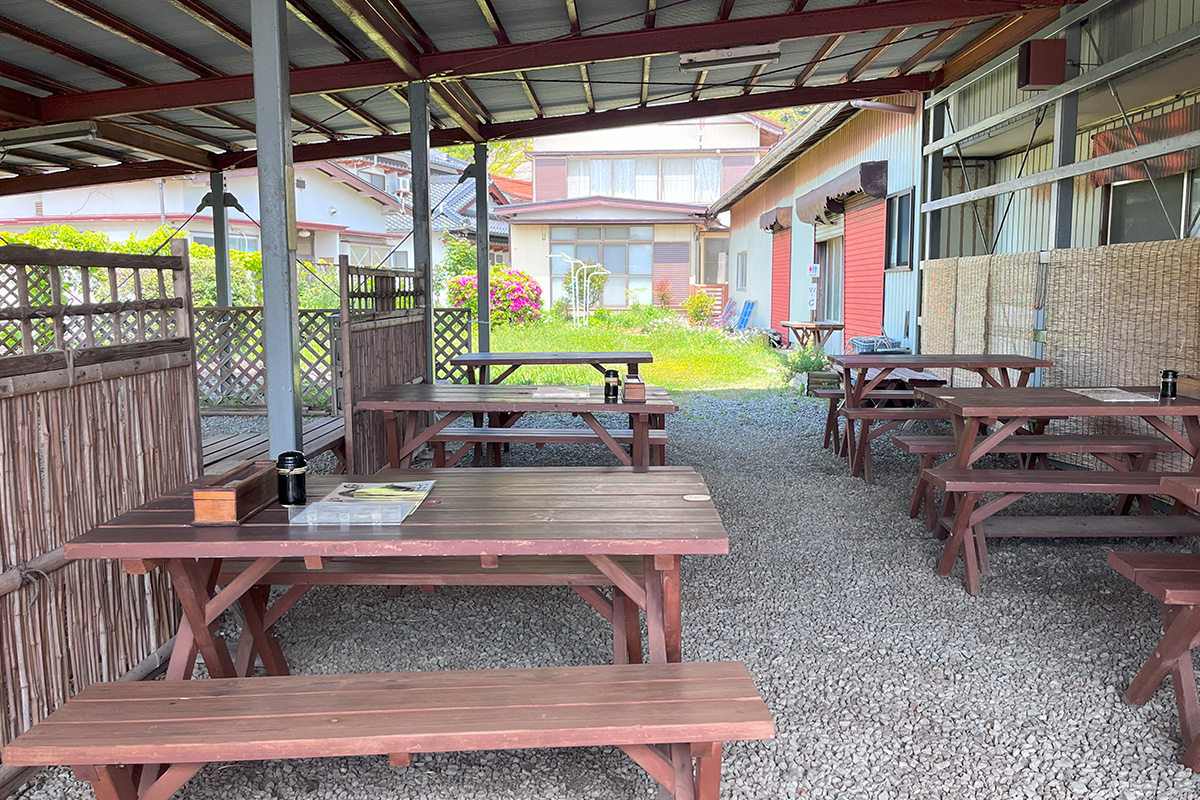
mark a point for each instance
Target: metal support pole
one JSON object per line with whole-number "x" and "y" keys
{"x": 481, "y": 247}
{"x": 934, "y": 176}
{"x": 277, "y": 203}
{"x": 418, "y": 123}
{"x": 1066, "y": 125}
{"x": 216, "y": 186}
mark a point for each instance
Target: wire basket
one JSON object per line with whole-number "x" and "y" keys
{"x": 871, "y": 344}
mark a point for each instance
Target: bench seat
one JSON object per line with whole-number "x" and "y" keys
{"x": 440, "y": 571}
{"x": 1184, "y": 488}
{"x": 902, "y": 414}
{"x": 950, "y": 479}
{"x": 223, "y": 453}
{"x": 1042, "y": 443}
{"x": 539, "y": 436}
{"x": 661, "y": 714}
{"x": 1116, "y": 526}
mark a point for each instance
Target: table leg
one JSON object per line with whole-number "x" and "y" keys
{"x": 390, "y": 427}
{"x": 655, "y": 614}
{"x": 672, "y": 605}
{"x": 254, "y": 607}
{"x": 641, "y": 443}
{"x": 1175, "y": 644}
{"x": 192, "y": 591}
{"x": 410, "y": 433}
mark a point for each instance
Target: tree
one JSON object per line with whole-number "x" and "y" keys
{"x": 789, "y": 118}
{"x": 503, "y": 157}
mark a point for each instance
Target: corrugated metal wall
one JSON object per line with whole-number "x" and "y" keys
{"x": 781, "y": 279}
{"x": 1118, "y": 29}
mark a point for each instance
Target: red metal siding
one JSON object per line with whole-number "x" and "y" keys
{"x": 781, "y": 278}
{"x": 550, "y": 179}
{"x": 672, "y": 262}
{"x": 865, "y": 243}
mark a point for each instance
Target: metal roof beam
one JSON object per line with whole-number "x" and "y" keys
{"x": 161, "y": 146}
{"x": 347, "y": 148}
{"x": 20, "y": 107}
{"x": 573, "y": 17}
{"x": 1004, "y": 34}
{"x": 874, "y": 53}
{"x": 931, "y": 47}
{"x": 1131, "y": 155}
{"x": 841, "y": 21}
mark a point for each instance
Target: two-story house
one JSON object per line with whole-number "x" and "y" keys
{"x": 635, "y": 200}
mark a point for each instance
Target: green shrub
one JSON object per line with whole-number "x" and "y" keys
{"x": 515, "y": 297}
{"x": 810, "y": 359}
{"x": 602, "y": 315}
{"x": 698, "y": 307}
{"x": 458, "y": 258}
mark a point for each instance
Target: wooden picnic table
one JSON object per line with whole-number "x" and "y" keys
{"x": 511, "y": 362}
{"x": 981, "y": 364}
{"x": 818, "y": 332}
{"x": 987, "y": 417}
{"x": 601, "y": 514}
{"x": 510, "y": 403}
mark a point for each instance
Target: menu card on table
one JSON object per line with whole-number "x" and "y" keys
{"x": 1114, "y": 395}
{"x": 365, "y": 504}
{"x": 562, "y": 392}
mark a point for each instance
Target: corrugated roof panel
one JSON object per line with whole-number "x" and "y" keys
{"x": 690, "y": 13}
{"x": 743, "y": 9}
{"x": 464, "y": 28}
{"x": 533, "y": 20}
{"x": 611, "y": 16}
{"x": 560, "y": 90}
{"x": 616, "y": 83}
{"x": 328, "y": 11}
{"x": 503, "y": 96}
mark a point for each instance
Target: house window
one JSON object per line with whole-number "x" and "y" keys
{"x": 1136, "y": 215}
{"x": 627, "y": 252}
{"x": 246, "y": 242}
{"x": 716, "y": 251}
{"x": 899, "y": 231}
{"x": 741, "y": 271}
{"x": 681, "y": 180}
{"x": 368, "y": 255}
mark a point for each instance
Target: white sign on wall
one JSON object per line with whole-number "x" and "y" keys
{"x": 812, "y": 297}
{"x": 814, "y": 270}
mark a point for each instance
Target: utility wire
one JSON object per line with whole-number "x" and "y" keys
{"x": 1020, "y": 171}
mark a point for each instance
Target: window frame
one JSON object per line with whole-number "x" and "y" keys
{"x": 890, "y": 228}
{"x": 741, "y": 277}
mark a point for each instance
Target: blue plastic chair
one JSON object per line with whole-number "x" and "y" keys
{"x": 744, "y": 317}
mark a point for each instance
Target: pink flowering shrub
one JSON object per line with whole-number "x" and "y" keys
{"x": 514, "y": 296}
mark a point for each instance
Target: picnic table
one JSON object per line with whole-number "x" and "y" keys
{"x": 603, "y": 515}
{"x": 987, "y": 419}
{"x": 510, "y": 403}
{"x": 511, "y": 362}
{"x": 863, "y": 373}
{"x": 818, "y": 332}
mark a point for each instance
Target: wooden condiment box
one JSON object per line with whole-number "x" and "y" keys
{"x": 1188, "y": 386}
{"x": 633, "y": 390}
{"x": 231, "y": 498}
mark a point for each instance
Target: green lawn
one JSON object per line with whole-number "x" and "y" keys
{"x": 685, "y": 358}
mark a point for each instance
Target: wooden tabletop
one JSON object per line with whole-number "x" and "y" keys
{"x": 1185, "y": 488}
{"x": 573, "y": 357}
{"x": 810, "y": 325}
{"x": 939, "y": 360}
{"x": 513, "y": 510}
{"x": 1042, "y": 401}
{"x": 505, "y": 397}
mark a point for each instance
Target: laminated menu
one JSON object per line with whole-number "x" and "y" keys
{"x": 365, "y": 504}
{"x": 562, "y": 392}
{"x": 1114, "y": 395}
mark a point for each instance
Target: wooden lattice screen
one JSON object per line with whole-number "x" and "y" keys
{"x": 229, "y": 357}
{"x": 382, "y": 343}
{"x": 98, "y": 414}
{"x": 451, "y": 337}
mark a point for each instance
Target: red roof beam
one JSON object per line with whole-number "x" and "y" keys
{"x": 821, "y": 23}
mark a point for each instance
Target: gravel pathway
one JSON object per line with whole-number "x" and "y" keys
{"x": 885, "y": 680}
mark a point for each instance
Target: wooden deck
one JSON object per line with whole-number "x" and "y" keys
{"x": 225, "y": 451}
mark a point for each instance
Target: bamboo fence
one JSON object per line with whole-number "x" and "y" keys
{"x": 382, "y": 342}
{"x": 1113, "y": 316}
{"x": 98, "y": 414}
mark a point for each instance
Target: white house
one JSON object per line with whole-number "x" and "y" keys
{"x": 635, "y": 200}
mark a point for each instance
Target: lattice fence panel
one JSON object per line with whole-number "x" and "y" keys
{"x": 229, "y": 357}
{"x": 451, "y": 337}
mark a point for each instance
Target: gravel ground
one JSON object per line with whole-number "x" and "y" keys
{"x": 885, "y": 680}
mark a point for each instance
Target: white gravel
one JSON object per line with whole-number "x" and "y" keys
{"x": 885, "y": 680}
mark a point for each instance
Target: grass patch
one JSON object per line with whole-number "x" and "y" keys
{"x": 685, "y": 358}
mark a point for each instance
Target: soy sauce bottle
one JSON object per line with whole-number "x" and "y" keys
{"x": 612, "y": 385}
{"x": 292, "y": 469}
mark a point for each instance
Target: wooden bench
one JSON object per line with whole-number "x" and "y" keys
{"x": 859, "y": 447}
{"x": 223, "y": 453}
{"x": 836, "y": 397}
{"x": 1184, "y": 488}
{"x": 1106, "y": 448}
{"x": 539, "y": 436}
{"x": 662, "y": 715}
{"x": 1173, "y": 579}
{"x": 969, "y": 524}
